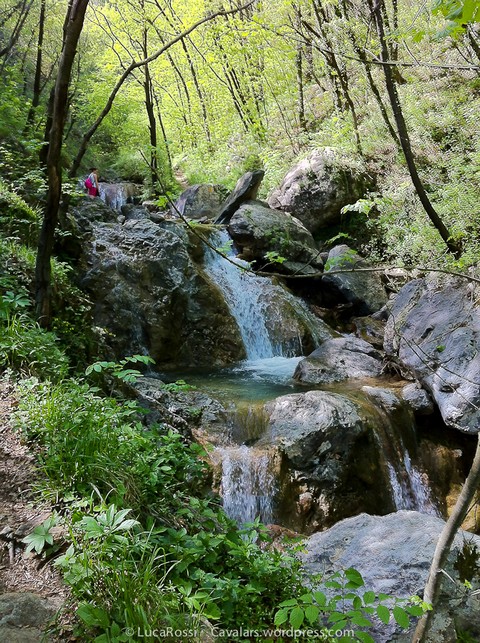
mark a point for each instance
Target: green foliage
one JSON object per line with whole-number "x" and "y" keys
{"x": 29, "y": 349}
{"x": 274, "y": 257}
{"x": 41, "y": 536}
{"x": 17, "y": 218}
{"x": 458, "y": 13}
{"x": 178, "y": 387}
{"x": 118, "y": 370}
{"x": 344, "y": 605}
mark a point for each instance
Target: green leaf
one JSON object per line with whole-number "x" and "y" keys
{"x": 369, "y": 597}
{"x": 312, "y": 613}
{"x": 361, "y": 621}
{"x": 320, "y": 598}
{"x": 281, "y": 617}
{"x": 289, "y": 603}
{"x": 364, "y": 637}
{"x": 354, "y": 577}
{"x": 401, "y": 617}
{"x": 383, "y": 614}
{"x": 297, "y": 616}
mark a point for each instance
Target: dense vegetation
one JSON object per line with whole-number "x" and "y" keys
{"x": 252, "y": 87}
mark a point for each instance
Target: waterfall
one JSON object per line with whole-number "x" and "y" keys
{"x": 117, "y": 194}
{"x": 248, "y": 483}
{"x": 270, "y": 319}
{"x": 410, "y": 489}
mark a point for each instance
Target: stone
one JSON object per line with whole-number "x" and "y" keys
{"x": 200, "y": 201}
{"x": 245, "y": 190}
{"x": 434, "y": 330}
{"x": 337, "y": 359}
{"x": 24, "y": 616}
{"x": 257, "y": 229}
{"x": 363, "y": 289}
{"x": 418, "y": 399}
{"x": 319, "y": 186}
{"x": 393, "y": 553}
{"x": 149, "y": 293}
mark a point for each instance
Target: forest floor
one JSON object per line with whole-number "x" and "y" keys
{"x": 30, "y": 589}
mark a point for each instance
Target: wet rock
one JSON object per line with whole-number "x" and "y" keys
{"x": 149, "y": 293}
{"x": 245, "y": 190}
{"x": 393, "y": 553}
{"x": 339, "y": 359}
{"x": 115, "y": 195}
{"x": 318, "y": 187}
{"x": 330, "y": 451}
{"x": 257, "y": 229}
{"x": 200, "y": 201}
{"x": 434, "y": 330}
{"x": 364, "y": 290}
{"x": 418, "y": 399}
{"x": 369, "y": 329}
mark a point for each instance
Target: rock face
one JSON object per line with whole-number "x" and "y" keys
{"x": 339, "y": 359}
{"x": 115, "y": 195}
{"x": 245, "y": 190}
{"x": 393, "y": 553}
{"x": 24, "y": 616}
{"x": 148, "y": 293}
{"x": 318, "y": 187}
{"x": 434, "y": 330}
{"x": 364, "y": 290}
{"x": 257, "y": 229}
{"x": 342, "y": 452}
{"x": 199, "y": 201}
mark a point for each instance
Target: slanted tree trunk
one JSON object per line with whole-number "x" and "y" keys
{"x": 71, "y": 33}
{"x": 377, "y": 11}
{"x": 432, "y": 588}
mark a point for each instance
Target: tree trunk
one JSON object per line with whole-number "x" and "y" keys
{"x": 394, "y": 98}
{"x": 71, "y": 33}
{"x": 432, "y": 588}
{"x": 38, "y": 69}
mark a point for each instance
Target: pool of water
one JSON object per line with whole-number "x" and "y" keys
{"x": 249, "y": 381}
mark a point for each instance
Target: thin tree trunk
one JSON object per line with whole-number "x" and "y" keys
{"x": 442, "y": 550}
{"x": 72, "y": 29}
{"x": 452, "y": 246}
{"x": 38, "y": 69}
{"x": 135, "y": 65}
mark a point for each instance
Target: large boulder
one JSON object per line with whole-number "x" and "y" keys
{"x": 434, "y": 330}
{"x": 344, "y": 453}
{"x": 257, "y": 229}
{"x": 361, "y": 287}
{"x": 245, "y": 190}
{"x": 393, "y": 553}
{"x": 337, "y": 359}
{"x": 200, "y": 201}
{"x": 318, "y": 187}
{"x": 148, "y": 294}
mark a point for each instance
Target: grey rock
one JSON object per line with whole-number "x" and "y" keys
{"x": 25, "y": 610}
{"x": 434, "y": 330}
{"x": 199, "y": 201}
{"x": 418, "y": 399}
{"x": 257, "y": 229}
{"x": 318, "y": 187}
{"x": 393, "y": 553}
{"x": 245, "y": 190}
{"x": 339, "y": 359}
{"x": 371, "y": 330}
{"x": 364, "y": 290}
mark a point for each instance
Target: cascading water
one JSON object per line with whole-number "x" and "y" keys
{"x": 248, "y": 483}
{"x": 260, "y": 307}
{"x": 409, "y": 488}
{"x": 261, "y": 310}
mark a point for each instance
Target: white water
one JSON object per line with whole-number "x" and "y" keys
{"x": 248, "y": 485}
{"x": 410, "y": 489}
{"x": 270, "y": 319}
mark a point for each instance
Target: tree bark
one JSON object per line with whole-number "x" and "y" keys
{"x": 432, "y": 588}
{"x": 38, "y": 69}
{"x": 394, "y": 98}
{"x": 71, "y": 33}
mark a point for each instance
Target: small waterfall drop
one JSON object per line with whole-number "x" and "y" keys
{"x": 248, "y": 483}
{"x": 271, "y": 320}
{"x": 410, "y": 490}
